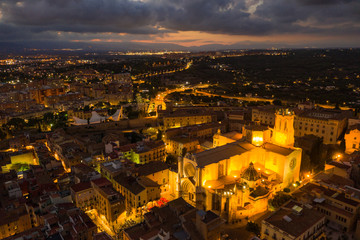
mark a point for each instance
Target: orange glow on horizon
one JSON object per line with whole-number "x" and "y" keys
{"x": 198, "y": 38}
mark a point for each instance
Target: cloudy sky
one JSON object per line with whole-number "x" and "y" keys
{"x": 287, "y": 23}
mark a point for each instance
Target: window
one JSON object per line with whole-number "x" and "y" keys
{"x": 354, "y": 145}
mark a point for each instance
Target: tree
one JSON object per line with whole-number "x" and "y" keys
{"x": 277, "y": 102}
{"x": 159, "y": 135}
{"x": 305, "y": 163}
{"x": 2, "y": 134}
{"x": 337, "y": 106}
{"x": 171, "y": 159}
{"x": 16, "y": 123}
{"x": 32, "y": 122}
{"x": 253, "y": 227}
{"x": 87, "y": 108}
{"x": 279, "y": 199}
{"x": 183, "y": 152}
{"x": 62, "y": 116}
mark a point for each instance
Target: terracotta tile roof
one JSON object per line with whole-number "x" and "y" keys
{"x": 152, "y": 167}
{"x": 81, "y": 186}
{"x": 102, "y": 182}
{"x": 296, "y": 224}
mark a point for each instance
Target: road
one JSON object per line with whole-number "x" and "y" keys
{"x": 238, "y": 230}
{"x": 250, "y": 99}
{"x": 100, "y": 223}
{"x": 160, "y": 98}
{"x": 145, "y": 75}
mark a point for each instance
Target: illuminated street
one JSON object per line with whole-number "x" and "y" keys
{"x": 180, "y": 120}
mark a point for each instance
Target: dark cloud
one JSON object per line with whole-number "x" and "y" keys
{"x": 323, "y": 2}
{"x": 42, "y": 19}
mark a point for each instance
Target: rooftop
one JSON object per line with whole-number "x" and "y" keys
{"x": 152, "y": 167}
{"x": 101, "y": 182}
{"x": 147, "y": 182}
{"x": 217, "y": 154}
{"x": 81, "y": 186}
{"x": 233, "y": 135}
{"x": 278, "y": 149}
{"x": 326, "y": 114}
{"x": 294, "y": 224}
{"x": 183, "y": 139}
{"x": 130, "y": 183}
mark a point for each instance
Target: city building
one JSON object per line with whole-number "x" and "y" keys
{"x": 185, "y": 117}
{"x": 264, "y": 114}
{"x": 139, "y": 192}
{"x": 294, "y": 221}
{"x": 107, "y": 201}
{"x": 329, "y": 124}
{"x": 111, "y": 169}
{"x": 39, "y": 94}
{"x": 236, "y": 120}
{"x": 352, "y": 139}
{"x": 82, "y": 195}
{"x": 14, "y": 221}
{"x": 176, "y": 220}
{"x": 177, "y": 145}
{"x": 144, "y": 152}
{"x": 236, "y": 179}
{"x": 161, "y": 173}
{"x": 220, "y": 139}
{"x": 199, "y": 131}
{"x": 339, "y": 207}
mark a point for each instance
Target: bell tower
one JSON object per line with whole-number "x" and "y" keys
{"x": 283, "y": 133}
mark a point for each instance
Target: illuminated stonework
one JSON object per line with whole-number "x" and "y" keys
{"x": 283, "y": 133}
{"x": 236, "y": 179}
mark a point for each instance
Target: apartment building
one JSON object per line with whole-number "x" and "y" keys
{"x": 199, "y": 131}
{"x": 162, "y": 174}
{"x": 176, "y": 145}
{"x": 329, "y": 124}
{"x": 186, "y": 117}
{"x": 138, "y": 191}
{"x": 83, "y": 195}
{"x": 107, "y": 201}
{"x": 39, "y": 94}
{"x": 144, "y": 152}
{"x": 338, "y": 206}
{"x": 264, "y": 114}
{"x": 352, "y": 139}
{"x": 14, "y": 221}
{"x": 176, "y": 220}
{"x": 293, "y": 221}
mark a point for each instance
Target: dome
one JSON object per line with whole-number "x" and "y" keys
{"x": 250, "y": 174}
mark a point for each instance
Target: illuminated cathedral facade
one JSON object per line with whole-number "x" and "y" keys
{"x": 236, "y": 179}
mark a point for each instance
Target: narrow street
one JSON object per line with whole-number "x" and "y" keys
{"x": 102, "y": 226}
{"x": 237, "y": 231}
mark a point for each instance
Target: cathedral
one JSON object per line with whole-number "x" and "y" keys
{"x": 236, "y": 178}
